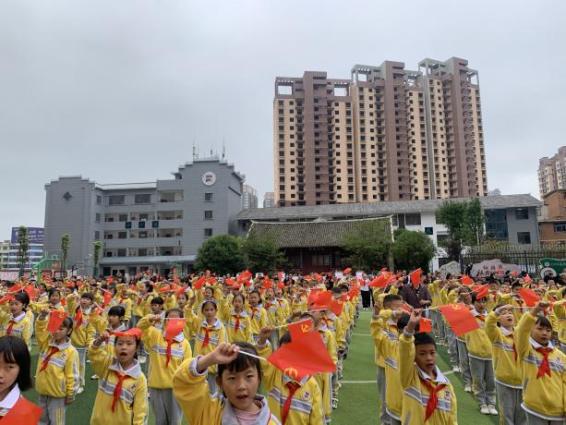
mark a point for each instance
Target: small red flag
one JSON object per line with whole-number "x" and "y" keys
{"x": 23, "y": 412}
{"x": 56, "y": 318}
{"x": 530, "y": 296}
{"x": 305, "y": 356}
{"x": 460, "y": 319}
{"x": 347, "y": 271}
{"x": 300, "y": 329}
{"x": 482, "y": 291}
{"x": 322, "y": 300}
{"x": 416, "y": 277}
{"x": 466, "y": 280}
{"x": 267, "y": 283}
{"x": 200, "y": 282}
{"x": 379, "y": 281}
{"x": 135, "y": 332}
{"x": 6, "y": 299}
{"x": 174, "y": 327}
{"x": 280, "y": 285}
{"x": 425, "y": 325}
{"x": 106, "y": 298}
{"x": 336, "y": 306}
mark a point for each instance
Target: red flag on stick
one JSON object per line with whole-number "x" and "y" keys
{"x": 106, "y": 298}
{"x": 174, "y": 327}
{"x": 336, "y": 306}
{"x": 460, "y": 319}
{"x": 347, "y": 271}
{"x": 300, "y": 329}
{"x": 425, "y": 325}
{"x": 482, "y": 291}
{"x": 23, "y": 412}
{"x": 200, "y": 282}
{"x": 378, "y": 282}
{"x": 466, "y": 280}
{"x": 304, "y": 356}
{"x": 416, "y": 277}
{"x": 529, "y": 296}
{"x": 56, "y": 318}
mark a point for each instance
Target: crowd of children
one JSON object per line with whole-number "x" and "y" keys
{"x": 511, "y": 358}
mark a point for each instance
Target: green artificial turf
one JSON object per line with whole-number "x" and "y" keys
{"x": 358, "y": 403}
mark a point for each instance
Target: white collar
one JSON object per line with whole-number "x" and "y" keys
{"x": 440, "y": 378}
{"x": 537, "y": 345}
{"x": 506, "y": 332}
{"x": 19, "y": 317}
{"x": 11, "y": 399}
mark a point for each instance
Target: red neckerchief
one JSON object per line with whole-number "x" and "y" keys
{"x": 292, "y": 387}
{"x": 45, "y": 361}
{"x": 544, "y": 368}
{"x": 118, "y": 389}
{"x": 78, "y": 317}
{"x": 433, "y": 397}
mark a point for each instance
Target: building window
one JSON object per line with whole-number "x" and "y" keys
{"x": 208, "y": 196}
{"x": 207, "y": 232}
{"x": 559, "y": 227}
{"x": 96, "y": 235}
{"x": 413, "y": 219}
{"x": 428, "y": 230}
{"x": 143, "y": 234}
{"x": 122, "y": 235}
{"x": 108, "y": 218}
{"x": 116, "y": 200}
{"x": 98, "y": 200}
{"x": 524, "y": 238}
{"x": 121, "y": 252}
{"x": 123, "y": 217}
{"x": 522, "y": 213}
{"x": 208, "y": 215}
{"x": 97, "y": 218}
{"x": 496, "y": 224}
{"x": 142, "y": 198}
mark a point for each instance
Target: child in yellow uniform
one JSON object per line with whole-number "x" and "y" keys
{"x": 479, "y": 352}
{"x": 166, "y": 355}
{"x": 258, "y": 315}
{"x": 544, "y": 369}
{"x": 305, "y": 404}
{"x": 239, "y": 378}
{"x": 17, "y": 322}
{"x": 428, "y": 396}
{"x": 122, "y": 389}
{"x": 209, "y": 333}
{"x": 499, "y": 328}
{"x": 238, "y": 325}
{"x": 57, "y": 375}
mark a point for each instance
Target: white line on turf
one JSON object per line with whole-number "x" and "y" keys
{"x": 373, "y": 381}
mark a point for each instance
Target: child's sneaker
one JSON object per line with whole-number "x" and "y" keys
{"x": 80, "y": 390}
{"x": 484, "y": 410}
{"x": 468, "y": 389}
{"x": 456, "y": 369}
{"x": 94, "y": 377}
{"x": 492, "y": 410}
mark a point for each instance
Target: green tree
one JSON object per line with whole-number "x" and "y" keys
{"x": 97, "y": 247}
{"x": 23, "y": 248}
{"x": 412, "y": 250}
{"x": 464, "y": 221}
{"x": 65, "y": 244}
{"x": 221, "y": 254}
{"x": 262, "y": 254}
{"x": 368, "y": 247}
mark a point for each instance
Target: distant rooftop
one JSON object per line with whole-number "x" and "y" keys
{"x": 377, "y": 209}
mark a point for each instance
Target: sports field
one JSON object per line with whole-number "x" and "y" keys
{"x": 358, "y": 395}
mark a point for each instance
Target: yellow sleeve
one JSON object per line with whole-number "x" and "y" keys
{"x": 100, "y": 359}
{"x": 41, "y": 334}
{"x": 140, "y": 409}
{"x": 340, "y": 333}
{"x": 317, "y": 411}
{"x": 331, "y": 347}
{"x": 149, "y": 332}
{"x": 71, "y": 304}
{"x": 269, "y": 371}
{"x": 491, "y": 329}
{"x": 406, "y": 359}
{"x": 72, "y": 379}
{"x": 27, "y": 330}
{"x": 559, "y": 311}
{"x": 191, "y": 391}
{"x": 522, "y": 334}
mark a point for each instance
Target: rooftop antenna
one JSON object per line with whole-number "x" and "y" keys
{"x": 223, "y": 149}
{"x": 195, "y": 156}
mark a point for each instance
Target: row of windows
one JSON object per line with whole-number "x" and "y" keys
{"x": 146, "y": 198}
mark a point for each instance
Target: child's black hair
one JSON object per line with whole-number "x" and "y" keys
{"x": 15, "y": 351}
{"x": 88, "y": 296}
{"x": 423, "y": 338}
{"x": 157, "y": 300}
{"x": 242, "y": 362}
{"x": 285, "y": 339}
{"x": 388, "y": 299}
{"x": 475, "y": 297}
{"x": 403, "y": 321}
{"x": 53, "y": 291}
{"x": 117, "y": 310}
{"x": 68, "y": 323}
{"x": 543, "y": 322}
{"x": 23, "y": 298}
{"x": 239, "y": 295}
{"x": 336, "y": 290}
{"x": 174, "y": 310}
{"x": 211, "y": 302}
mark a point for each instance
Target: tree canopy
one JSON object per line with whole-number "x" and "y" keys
{"x": 222, "y": 253}
{"x": 412, "y": 250}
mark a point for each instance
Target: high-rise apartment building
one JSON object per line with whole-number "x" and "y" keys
{"x": 268, "y": 200}
{"x": 386, "y": 134}
{"x": 249, "y": 197}
{"x": 552, "y": 172}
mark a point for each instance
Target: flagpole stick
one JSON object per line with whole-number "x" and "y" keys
{"x": 292, "y": 323}
{"x": 245, "y": 353}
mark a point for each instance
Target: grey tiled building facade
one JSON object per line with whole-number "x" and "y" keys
{"x": 156, "y": 225}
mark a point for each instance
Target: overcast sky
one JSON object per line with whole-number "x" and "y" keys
{"x": 118, "y": 91}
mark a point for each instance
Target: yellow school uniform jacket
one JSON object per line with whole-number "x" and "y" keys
{"x": 141, "y": 305}
{"x": 258, "y": 319}
{"x": 83, "y": 333}
{"x": 125, "y": 302}
{"x": 131, "y": 408}
{"x": 200, "y": 407}
{"x": 21, "y": 326}
{"x": 386, "y": 343}
{"x": 274, "y": 315}
{"x": 505, "y": 357}
{"x": 378, "y": 355}
{"x": 161, "y": 373}
{"x": 560, "y": 313}
{"x": 285, "y": 309}
{"x": 306, "y": 405}
{"x": 216, "y": 335}
{"x": 299, "y": 305}
{"x": 415, "y": 394}
{"x": 61, "y": 377}
{"x": 324, "y": 379}
{"x": 477, "y": 342}
{"x": 244, "y": 332}
{"x": 544, "y": 397}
